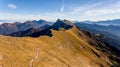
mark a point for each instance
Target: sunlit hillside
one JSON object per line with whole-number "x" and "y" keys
{"x": 66, "y": 48}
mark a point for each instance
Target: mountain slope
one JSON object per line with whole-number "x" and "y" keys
{"x": 109, "y": 34}
{"x": 7, "y": 28}
{"x": 66, "y": 48}
{"x": 33, "y": 32}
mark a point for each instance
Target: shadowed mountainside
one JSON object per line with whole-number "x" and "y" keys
{"x": 108, "y": 34}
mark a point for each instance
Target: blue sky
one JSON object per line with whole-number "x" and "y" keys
{"x": 64, "y": 9}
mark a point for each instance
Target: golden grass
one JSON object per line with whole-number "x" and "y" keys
{"x": 63, "y": 49}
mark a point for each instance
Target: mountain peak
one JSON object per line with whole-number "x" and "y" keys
{"x": 62, "y": 24}
{"x": 41, "y": 21}
{"x": 68, "y": 22}
{"x": 58, "y": 20}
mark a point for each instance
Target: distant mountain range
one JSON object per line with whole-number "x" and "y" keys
{"x": 111, "y": 28}
{"x": 7, "y": 28}
{"x": 11, "y": 21}
{"x": 115, "y": 22}
{"x": 109, "y": 34}
{"x": 110, "y": 22}
{"x": 45, "y": 30}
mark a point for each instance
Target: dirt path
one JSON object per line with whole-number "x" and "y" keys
{"x": 36, "y": 57}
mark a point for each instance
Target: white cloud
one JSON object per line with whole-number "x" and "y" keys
{"x": 86, "y": 7}
{"x": 58, "y": 14}
{"x": 12, "y": 6}
{"x": 47, "y": 16}
{"x": 117, "y": 4}
{"x": 102, "y": 12}
{"x": 62, "y": 7}
{"x": 95, "y": 11}
{"x": 109, "y": 9}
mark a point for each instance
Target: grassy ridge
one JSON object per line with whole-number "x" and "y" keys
{"x": 66, "y": 48}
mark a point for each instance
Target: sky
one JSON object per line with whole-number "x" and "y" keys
{"x": 52, "y": 10}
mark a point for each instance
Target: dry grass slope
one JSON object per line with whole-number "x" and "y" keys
{"x": 66, "y": 48}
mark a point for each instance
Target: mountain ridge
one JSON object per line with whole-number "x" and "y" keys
{"x": 7, "y": 28}
{"x": 68, "y": 46}
{"x": 71, "y": 47}
{"x": 39, "y": 31}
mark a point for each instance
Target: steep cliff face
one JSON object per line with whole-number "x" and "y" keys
{"x": 66, "y": 48}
